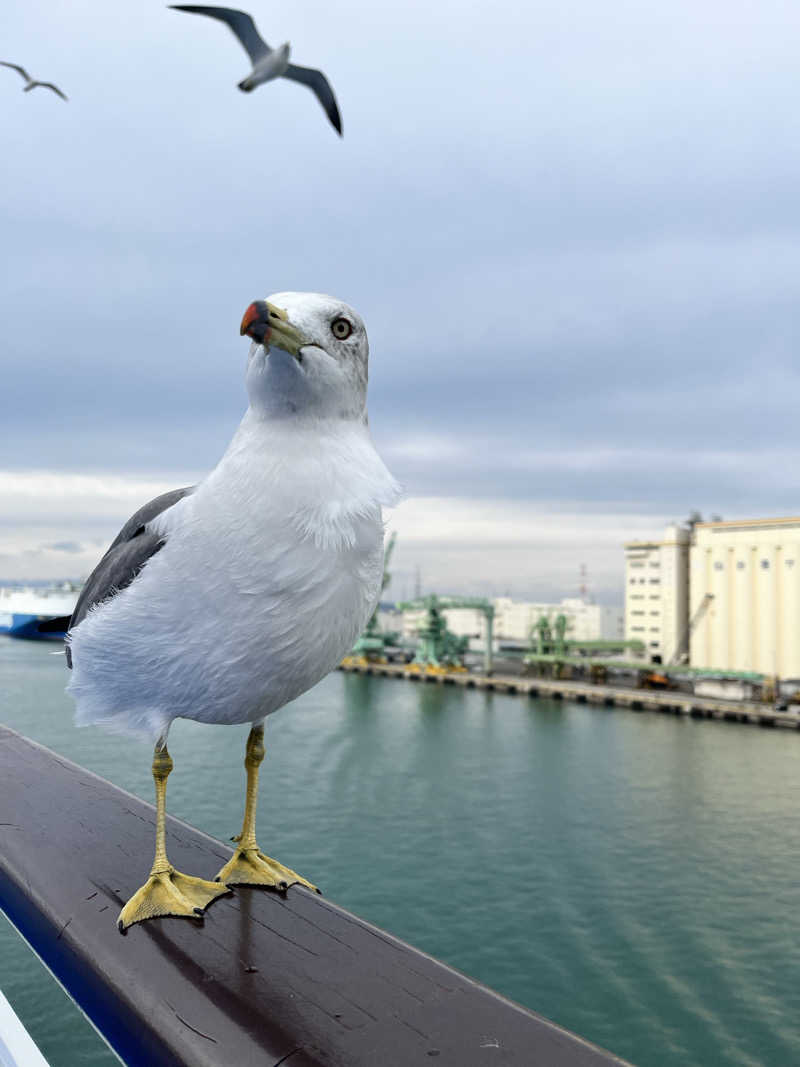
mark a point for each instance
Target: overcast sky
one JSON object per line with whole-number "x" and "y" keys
{"x": 572, "y": 230}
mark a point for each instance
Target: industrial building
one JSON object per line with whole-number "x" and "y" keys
{"x": 514, "y": 620}
{"x": 657, "y": 594}
{"x": 463, "y": 622}
{"x": 723, "y": 596}
{"x": 585, "y": 621}
{"x": 745, "y": 596}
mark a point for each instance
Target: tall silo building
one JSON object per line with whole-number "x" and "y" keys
{"x": 745, "y": 596}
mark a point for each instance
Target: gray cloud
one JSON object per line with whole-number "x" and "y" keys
{"x": 572, "y": 232}
{"x": 70, "y": 547}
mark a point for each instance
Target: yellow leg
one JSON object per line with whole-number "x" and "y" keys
{"x": 167, "y": 891}
{"x": 249, "y": 865}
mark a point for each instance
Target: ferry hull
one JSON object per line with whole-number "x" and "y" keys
{"x": 33, "y": 627}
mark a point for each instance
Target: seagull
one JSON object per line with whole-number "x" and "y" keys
{"x": 32, "y": 83}
{"x": 221, "y": 602}
{"x": 269, "y": 63}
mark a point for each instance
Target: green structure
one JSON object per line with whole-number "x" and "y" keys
{"x": 436, "y": 645}
{"x": 549, "y": 638}
{"x": 551, "y": 648}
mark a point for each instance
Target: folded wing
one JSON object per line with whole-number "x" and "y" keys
{"x": 129, "y": 552}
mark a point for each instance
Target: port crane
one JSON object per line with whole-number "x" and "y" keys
{"x": 437, "y": 647}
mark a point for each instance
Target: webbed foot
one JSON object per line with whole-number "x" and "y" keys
{"x": 251, "y": 867}
{"x": 169, "y": 892}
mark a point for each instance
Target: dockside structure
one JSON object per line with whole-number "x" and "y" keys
{"x": 722, "y": 595}
{"x": 745, "y": 596}
{"x": 514, "y": 620}
{"x": 657, "y": 593}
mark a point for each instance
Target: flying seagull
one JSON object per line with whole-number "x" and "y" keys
{"x": 269, "y": 63}
{"x": 32, "y": 83}
{"x": 224, "y": 601}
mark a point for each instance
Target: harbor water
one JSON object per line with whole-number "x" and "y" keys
{"x": 633, "y": 877}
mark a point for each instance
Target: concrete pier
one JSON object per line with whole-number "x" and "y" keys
{"x": 666, "y": 701}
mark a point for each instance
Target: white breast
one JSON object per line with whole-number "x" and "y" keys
{"x": 269, "y": 573}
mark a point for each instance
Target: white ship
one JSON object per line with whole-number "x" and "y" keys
{"x": 41, "y": 613}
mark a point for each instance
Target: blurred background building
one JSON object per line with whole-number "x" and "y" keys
{"x": 721, "y": 596}
{"x": 657, "y": 593}
{"x": 515, "y": 619}
{"x": 745, "y": 596}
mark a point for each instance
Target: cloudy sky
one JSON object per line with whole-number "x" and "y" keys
{"x": 572, "y": 230}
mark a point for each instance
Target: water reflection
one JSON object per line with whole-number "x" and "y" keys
{"x": 631, "y": 876}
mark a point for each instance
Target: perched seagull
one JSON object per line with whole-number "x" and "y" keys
{"x": 224, "y": 601}
{"x": 269, "y": 63}
{"x": 32, "y": 83}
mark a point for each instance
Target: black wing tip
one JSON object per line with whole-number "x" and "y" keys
{"x": 205, "y": 9}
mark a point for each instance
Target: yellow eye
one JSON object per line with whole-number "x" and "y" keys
{"x": 341, "y": 329}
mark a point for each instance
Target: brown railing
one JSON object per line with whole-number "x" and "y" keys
{"x": 264, "y": 979}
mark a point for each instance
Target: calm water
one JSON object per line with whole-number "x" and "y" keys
{"x": 633, "y": 877}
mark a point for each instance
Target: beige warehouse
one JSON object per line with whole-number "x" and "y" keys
{"x": 744, "y": 581}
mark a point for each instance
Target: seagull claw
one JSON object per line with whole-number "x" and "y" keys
{"x": 168, "y": 892}
{"x": 251, "y": 867}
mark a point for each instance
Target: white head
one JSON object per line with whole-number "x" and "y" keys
{"x": 309, "y": 357}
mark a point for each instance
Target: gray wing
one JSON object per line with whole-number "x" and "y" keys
{"x": 321, "y": 87}
{"x": 20, "y": 70}
{"x": 239, "y": 21}
{"x": 49, "y": 85}
{"x": 129, "y": 551}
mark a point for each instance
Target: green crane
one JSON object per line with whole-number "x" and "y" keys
{"x": 437, "y": 646}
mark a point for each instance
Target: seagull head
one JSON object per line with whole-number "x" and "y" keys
{"x": 309, "y": 357}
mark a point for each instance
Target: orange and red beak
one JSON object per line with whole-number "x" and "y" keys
{"x": 255, "y": 322}
{"x": 269, "y": 325}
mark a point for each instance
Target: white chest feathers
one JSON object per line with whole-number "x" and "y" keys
{"x": 269, "y": 572}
